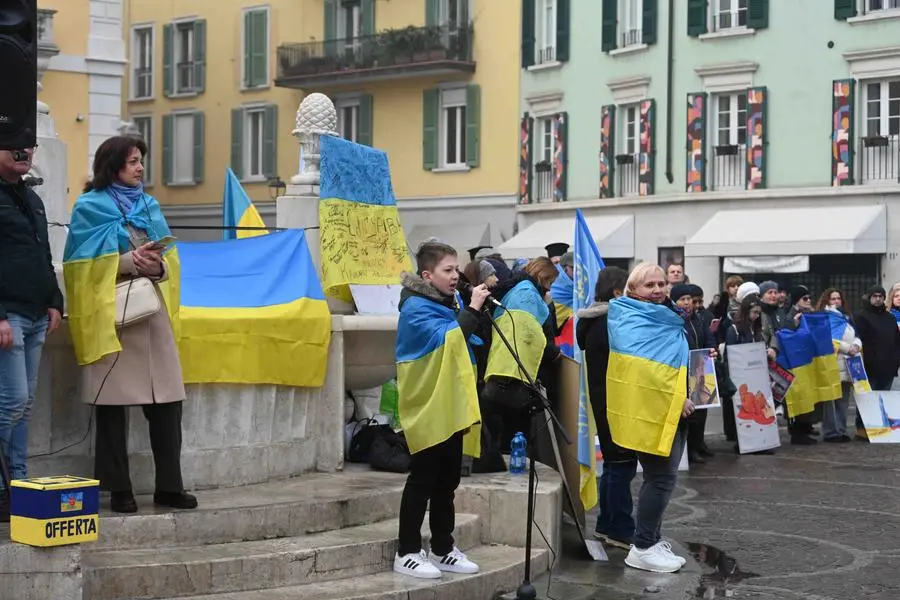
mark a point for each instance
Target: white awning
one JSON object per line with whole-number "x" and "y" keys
{"x": 792, "y": 231}
{"x": 460, "y": 236}
{"x": 614, "y": 236}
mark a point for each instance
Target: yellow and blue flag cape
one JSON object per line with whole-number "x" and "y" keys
{"x": 238, "y": 210}
{"x": 646, "y": 381}
{"x": 253, "y": 312}
{"x": 361, "y": 238}
{"x": 97, "y": 234}
{"x": 563, "y": 292}
{"x": 808, "y": 353}
{"x": 436, "y": 389}
{"x": 587, "y": 266}
{"x": 521, "y": 321}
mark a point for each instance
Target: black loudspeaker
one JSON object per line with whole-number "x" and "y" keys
{"x": 18, "y": 71}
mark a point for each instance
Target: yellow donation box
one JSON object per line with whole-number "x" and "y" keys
{"x": 54, "y": 511}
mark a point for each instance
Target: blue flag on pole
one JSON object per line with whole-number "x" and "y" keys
{"x": 588, "y": 264}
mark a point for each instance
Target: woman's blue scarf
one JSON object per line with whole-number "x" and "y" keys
{"x": 896, "y": 313}
{"x": 125, "y": 196}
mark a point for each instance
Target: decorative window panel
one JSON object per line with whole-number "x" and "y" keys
{"x": 560, "y": 156}
{"x": 842, "y": 132}
{"x": 607, "y": 150}
{"x": 696, "y": 142}
{"x": 525, "y": 159}
{"x": 756, "y": 138}
{"x": 647, "y": 148}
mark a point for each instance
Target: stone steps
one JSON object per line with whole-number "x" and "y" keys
{"x": 351, "y": 552}
{"x": 502, "y": 568}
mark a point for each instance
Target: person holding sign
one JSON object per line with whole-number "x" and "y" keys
{"x": 843, "y": 335}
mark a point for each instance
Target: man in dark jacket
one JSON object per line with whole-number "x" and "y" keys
{"x": 877, "y": 328}
{"x": 615, "y": 525}
{"x": 30, "y": 307}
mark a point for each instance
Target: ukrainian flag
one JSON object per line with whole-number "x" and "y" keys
{"x": 563, "y": 292}
{"x": 521, "y": 319}
{"x": 97, "y": 234}
{"x": 436, "y": 389}
{"x": 808, "y": 353}
{"x": 238, "y": 210}
{"x": 646, "y": 381}
{"x": 838, "y": 323}
{"x": 253, "y": 311}
{"x": 588, "y": 265}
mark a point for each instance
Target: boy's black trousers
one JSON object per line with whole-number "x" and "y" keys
{"x": 434, "y": 474}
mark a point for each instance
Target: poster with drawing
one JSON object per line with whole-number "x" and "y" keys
{"x": 781, "y": 381}
{"x": 703, "y": 390}
{"x": 754, "y": 408}
{"x": 880, "y": 413}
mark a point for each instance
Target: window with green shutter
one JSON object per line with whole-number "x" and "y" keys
{"x": 844, "y": 9}
{"x": 168, "y": 59}
{"x": 368, "y": 17}
{"x": 199, "y": 56}
{"x": 364, "y": 120}
{"x": 167, "y": 155}
{"x": 256, "y": 48}
{"x": 609, "y": 22}
{"x": 430, "y": 142}
{"x": 473, "y": 124}
{"x": 649, "y": 21}
{"x": 199, "y": 139}
{"x": 528, "y": 33}
{"x": 237, "y": 142}
{"x": 432, "y": 13}
{"x": 563, "y": 26}
{"x": 329, "y": 20}
{"x": 270, "y": 141}
{"x": 697, "y": 17}
{"x": 757, "y": 14}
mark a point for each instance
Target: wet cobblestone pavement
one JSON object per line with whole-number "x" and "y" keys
{"x": 809, "y": 523}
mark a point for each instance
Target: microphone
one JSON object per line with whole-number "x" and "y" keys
{"x": 464, "y": 285}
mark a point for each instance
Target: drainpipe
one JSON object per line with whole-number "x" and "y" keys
{"x": 670, "y": 83}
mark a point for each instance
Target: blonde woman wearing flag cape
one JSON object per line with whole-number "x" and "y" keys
{"x": 115, "y": 235}
{"x": 646, "y": 388}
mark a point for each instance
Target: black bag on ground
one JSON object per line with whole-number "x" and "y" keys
{"x": 389, "y": 451}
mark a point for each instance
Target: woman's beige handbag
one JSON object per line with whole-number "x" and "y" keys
{"x": 138, "y": 296}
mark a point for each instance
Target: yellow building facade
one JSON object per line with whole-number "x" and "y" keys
{"x": 434, "y": 83}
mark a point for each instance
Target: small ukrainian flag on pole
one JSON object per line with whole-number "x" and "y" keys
{"x": 238, "y": 210}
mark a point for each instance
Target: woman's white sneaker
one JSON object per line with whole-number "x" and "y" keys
{"x": 667, "y": 548}
{"x": 454, "y": 562}
{"x": 416, "y": 565}
{"x": 656, "y": 558}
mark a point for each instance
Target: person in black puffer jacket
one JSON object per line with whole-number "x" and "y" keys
{"x": 880, "y": 335}
{"x": 615, "y": 524}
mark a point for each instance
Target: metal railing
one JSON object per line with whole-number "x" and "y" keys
{"x": 627, "y": 174}
{"x": 543, "y": 181}
{"x": 545, "y": 55}
{"x": 143, "y": 82}
{"x": 184, "y": 77}
{"x": 729, "y": 167}
{"x": 390, "y": 48}
{"x": 631, "y": 37}
{"x": 879, "y": 159}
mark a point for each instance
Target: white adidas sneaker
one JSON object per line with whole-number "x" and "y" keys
{"x": 657, "y": 559}
{"x": 416, "y": 565}
{"x": 454, "y": 562}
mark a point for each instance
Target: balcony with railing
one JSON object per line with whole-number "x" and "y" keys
{"x": 627, "y": 174}
{"x": 879, "y": 159}
{"x": 391, "y": 54}
{"x": 729, "y": 167}
{"x": 543, "y": 181}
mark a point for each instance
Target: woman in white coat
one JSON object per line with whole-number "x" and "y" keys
{"x": 834, "y": 414}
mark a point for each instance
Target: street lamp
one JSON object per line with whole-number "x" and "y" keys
{"x": 277, "y": 188}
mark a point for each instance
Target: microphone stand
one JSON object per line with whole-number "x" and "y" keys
{"x": 526, "y": 590}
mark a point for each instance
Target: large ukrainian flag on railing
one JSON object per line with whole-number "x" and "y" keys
{"x": 646, "y": 381}
{"x": 362, "y": 241}
{"x": 808, "y": 353}
{"x": 588, "y": 264}
{"x": 253, "y": 311}
{"x": 97, "y": 234}
{"x": 238, "y": 210}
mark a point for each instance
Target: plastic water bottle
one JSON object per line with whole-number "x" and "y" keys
{"x": 517, "y": 454}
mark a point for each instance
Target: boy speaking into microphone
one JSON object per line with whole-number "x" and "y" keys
{"x": 437, "y": 406}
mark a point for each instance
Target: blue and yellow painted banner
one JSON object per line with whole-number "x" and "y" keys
{"x": 362, "y": 241}
{"x": 521, "y": 319}
{"x": 253, "y": 311}
{"x": 436, "y": 389}
{"x": 646, "y": 381}
{"x": 238, "y": 210}
{"x": 808, "y": 352}
{"x": 97, "y": 235}
{"x": 54, "y": 511}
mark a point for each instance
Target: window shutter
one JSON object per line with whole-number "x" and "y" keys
{"x": 270, "y": 141}
{"x": 248, "y": 51}
{"x": 560, "y": 155}
{"x": 431, "y": 13}
{"x": 757, "y": 98}
{"x": 698, "y": 17}
{"x": 757, "y": 14}
{"x": 168, "y": 133}
{"x": 473, "y": 124}
{"x": 168, "y": 59}
{"x": 647, "y": 148}
{"x": 563, "y": 26}
{"x": 198, "y": 147}
{"x": 607, "y": 150}
{"x": 368, "y": 17}
{"x": 842, "y": 118}
{"x": 649, "y": 21}
{"x": 696, "y": 142}
{"x": 237, "y": 142}
{"x": 259, "y": 58}
{"x": 200, "y": 56}
{"x": 527, "y": 33}
{"x": 330, "y": 26}
{"x": 609, "y": 25}
{"x": 844, "y": 9}
{"x": 364, "y": 120}
{"x": 430, "y": 110}
{"x": 526, "y": 172}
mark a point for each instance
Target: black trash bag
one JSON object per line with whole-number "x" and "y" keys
{"x": 389, "y": 451}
